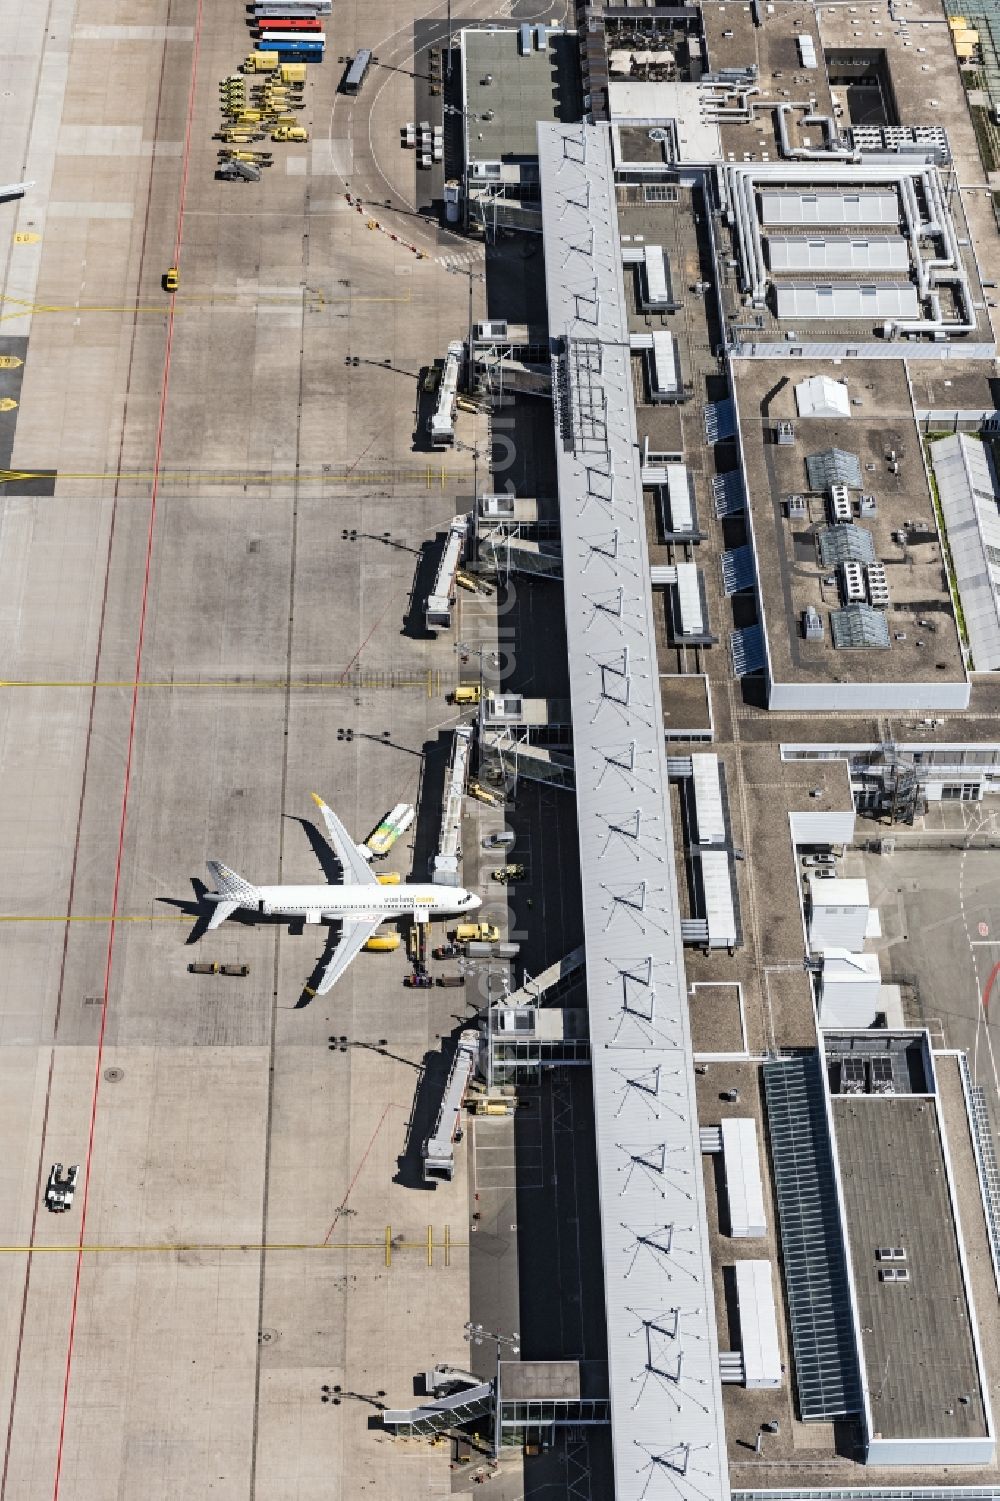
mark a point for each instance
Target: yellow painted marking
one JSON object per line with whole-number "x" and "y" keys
{"x": 388, "y": 1245}
{"x": 429, "y": 681}
{"x": 315, "y": 300}
{"x": 26, "y": 237}
{"x": 447, "y": 1245}
{"x": 7, "y": 404}
{"x": 10, "y": 362}
{"x": 430, "y": 1245}
{"x": 397, "y": 475}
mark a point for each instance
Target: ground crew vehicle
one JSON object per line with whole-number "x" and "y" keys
{"x": 275, "y": 40}
{"x": 297, "y": 51}
{"x": 450, "y": 980}
{"x": 293, "y": 24}
{"x": 418, "y": 982}
{"x": 289, "y": 133}
{"x": 381, "y": 840}
{"x": 238, "y": 172}
{"x": 171, "y": 279}
{"x": 203, "y": 967}
{"x": 467, "y": 693}
{"x": 446, "y": 951}
{"x": 484, "y": 795}
{"x": 292, "y": 8}
{"x": 390, "y": 878}
{"x": 234, "y": 969}
{"x": 293, "y": 73}
{"x": 383, "y": 943}
{"x": 257, "y": 158}
{"x": 60, "y": 1188}
{"x": 501, "y": 839}
{"x": 476, "y": 932}
{"x": 261, "y": 62}
{"x": 357, "y": 72}
{"x": 509, "y": 873}
{"x": 476, "y": 949}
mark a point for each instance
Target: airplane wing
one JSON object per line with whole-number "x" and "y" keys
{"x": 352, "y": 940}
{"x": 355, "y": 867}
{"x": 220, "y": 912}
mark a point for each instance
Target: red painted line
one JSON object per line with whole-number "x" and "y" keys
{"x": 357, "y": 1171}
{"x": 988, "y": 987}
{"x": 365, "y": 642}
{"x": 81, "y": 803}
{"x": 126, "y": 788}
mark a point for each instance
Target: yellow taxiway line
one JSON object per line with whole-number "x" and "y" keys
{"x": 430, "y": 682}
{"x": 432, "y": 477}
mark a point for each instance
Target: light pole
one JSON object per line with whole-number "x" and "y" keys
{"x": 476, "y": 1334}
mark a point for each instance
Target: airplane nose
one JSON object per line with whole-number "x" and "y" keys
{"x": 476, "y": 901}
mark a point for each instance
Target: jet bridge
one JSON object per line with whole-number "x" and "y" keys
{"x": 437, "y": 611}
{"x": 511, "y": 537}
{"x": 439, "y": 1148}
{"x": 441, "y": 422}
{"x": 444, "y": 866}
{"x": 525, "y": 737}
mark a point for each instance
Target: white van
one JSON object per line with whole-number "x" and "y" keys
{"x": 503, "y": 839}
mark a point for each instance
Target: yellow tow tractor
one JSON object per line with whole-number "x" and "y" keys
{"x": 259, "y": 158}
{"x": 290, "y": 133}
{"x": 171, "y": 279}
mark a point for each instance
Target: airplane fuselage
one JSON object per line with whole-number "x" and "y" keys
{"x": 333, "y": 903}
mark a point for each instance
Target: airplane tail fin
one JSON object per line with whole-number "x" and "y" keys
{"x": 232, "y": 886}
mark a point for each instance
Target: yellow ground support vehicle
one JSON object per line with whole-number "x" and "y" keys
{"x": 389, "y": 878}
{"x": 171, "y": 279}
{"x": 484, "y": 795}
{"x": 477, "y": 932}
{"x": 289, "y": 133}
{"x": 259, "y": 158}
{"x": 468, "y": 693}
{"x": 261, "y": 62}
{"x": 383, "y": 943}
{"x": 293, "y": 72}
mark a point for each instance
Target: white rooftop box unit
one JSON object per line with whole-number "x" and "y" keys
{"x": 758, "y": 1324}
{"x": 744, "y": 1189}
{"x": 838, "y": 916}
{"x": 708, "y": 810}
{"x": 851, "y": 984}
{"x": 878, "y": 586}
{"x": 854, "y": 583}
{"x": 807, "y": 51}
{"x": 840, "y": 503}
{"x": 820, "y": 396}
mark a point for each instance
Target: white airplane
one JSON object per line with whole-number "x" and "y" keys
{"x": 361, "y": 904}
